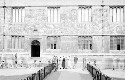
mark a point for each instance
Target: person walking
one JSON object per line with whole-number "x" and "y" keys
{"x": 56, "y": 61}
{"x": 16, "y": 60}
{"x": 84, "y": 63}
{"x": 66, "y": 63}
{"x": 75, "y": 62}
{"x": 63, "y": 63}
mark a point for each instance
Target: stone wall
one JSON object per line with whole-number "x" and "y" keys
{"x": 36, "y": 19}
{"x": 36, "y": 23}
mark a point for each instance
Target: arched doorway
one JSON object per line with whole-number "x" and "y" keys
{"x": 35, "y": 48}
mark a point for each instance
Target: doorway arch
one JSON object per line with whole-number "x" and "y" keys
{"x": 35, "y": 48}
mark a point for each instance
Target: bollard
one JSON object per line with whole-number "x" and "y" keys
{"x": 29, "y": 78}
{"x": 108, "y": 78}
{"x": 33, "y": 76}
{"x": 97, "y": 75}
{"x": 38, "y": 73}
{"x": 103, "y": 77}
{"x": 100, "y": 73}
{"x": 44, "y": 72}
{"x": 37, "y": 76}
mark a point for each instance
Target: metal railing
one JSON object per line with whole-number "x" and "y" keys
{"x": 96, "y": 73}
{"x": 42, "y": 73}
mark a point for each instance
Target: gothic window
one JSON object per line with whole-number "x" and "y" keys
{"x": 116, "y": 13}
{"x": 117, "y": 42}
{"x": 85, "y": 42}
{"x": 18, "y": 14}
{"x": 53, "y": 42}
{"x": 53, "y": 14}
{"x": 85, "y": 14}
{"x": 17, "y": 42}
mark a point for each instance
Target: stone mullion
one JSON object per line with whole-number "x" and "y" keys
{"x": 79, "y": 15}
{"x": 90, "y": 14}
{"x": 122, "y": 17}
{"x": 19, "y": 42}
{"x": 49, "y": 15}
{"x": 22, "y": 42}
{"x": 58, "y": 14}
{"x": 124, "y": 14}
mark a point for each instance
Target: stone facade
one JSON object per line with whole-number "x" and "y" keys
{"x": 36, "y": 27}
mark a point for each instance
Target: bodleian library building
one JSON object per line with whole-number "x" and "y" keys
{"x": 92, "y": 30}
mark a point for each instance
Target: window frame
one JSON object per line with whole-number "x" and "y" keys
{"x": 21, "y": 18}
{"x": 85, "y": 43}
{"x": 54, "y": 42}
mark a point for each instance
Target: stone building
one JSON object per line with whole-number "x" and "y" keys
{"x": 93, "y": 29}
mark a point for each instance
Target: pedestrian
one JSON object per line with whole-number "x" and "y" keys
{"x": 69, "y": 63}
{"x": 66, "y": 62}
{"x": 16, "y": 60}
{"x": 56, "y": 64}
{"x": 75, "y": 62}
{"x": 63, "y": 63}
{"x": 84, "y": 63}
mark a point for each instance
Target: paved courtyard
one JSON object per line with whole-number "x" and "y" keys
{"x": 69, "y": 74}
{"x": 61, "y": 74}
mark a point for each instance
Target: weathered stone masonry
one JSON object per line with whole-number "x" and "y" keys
{"x": 36, "y": 27}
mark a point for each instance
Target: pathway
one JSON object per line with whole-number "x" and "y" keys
{"x": 69, "y": 74}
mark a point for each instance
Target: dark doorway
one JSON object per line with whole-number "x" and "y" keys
{"x": 35, "y": 48}
{"x": 118, "y": 46}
